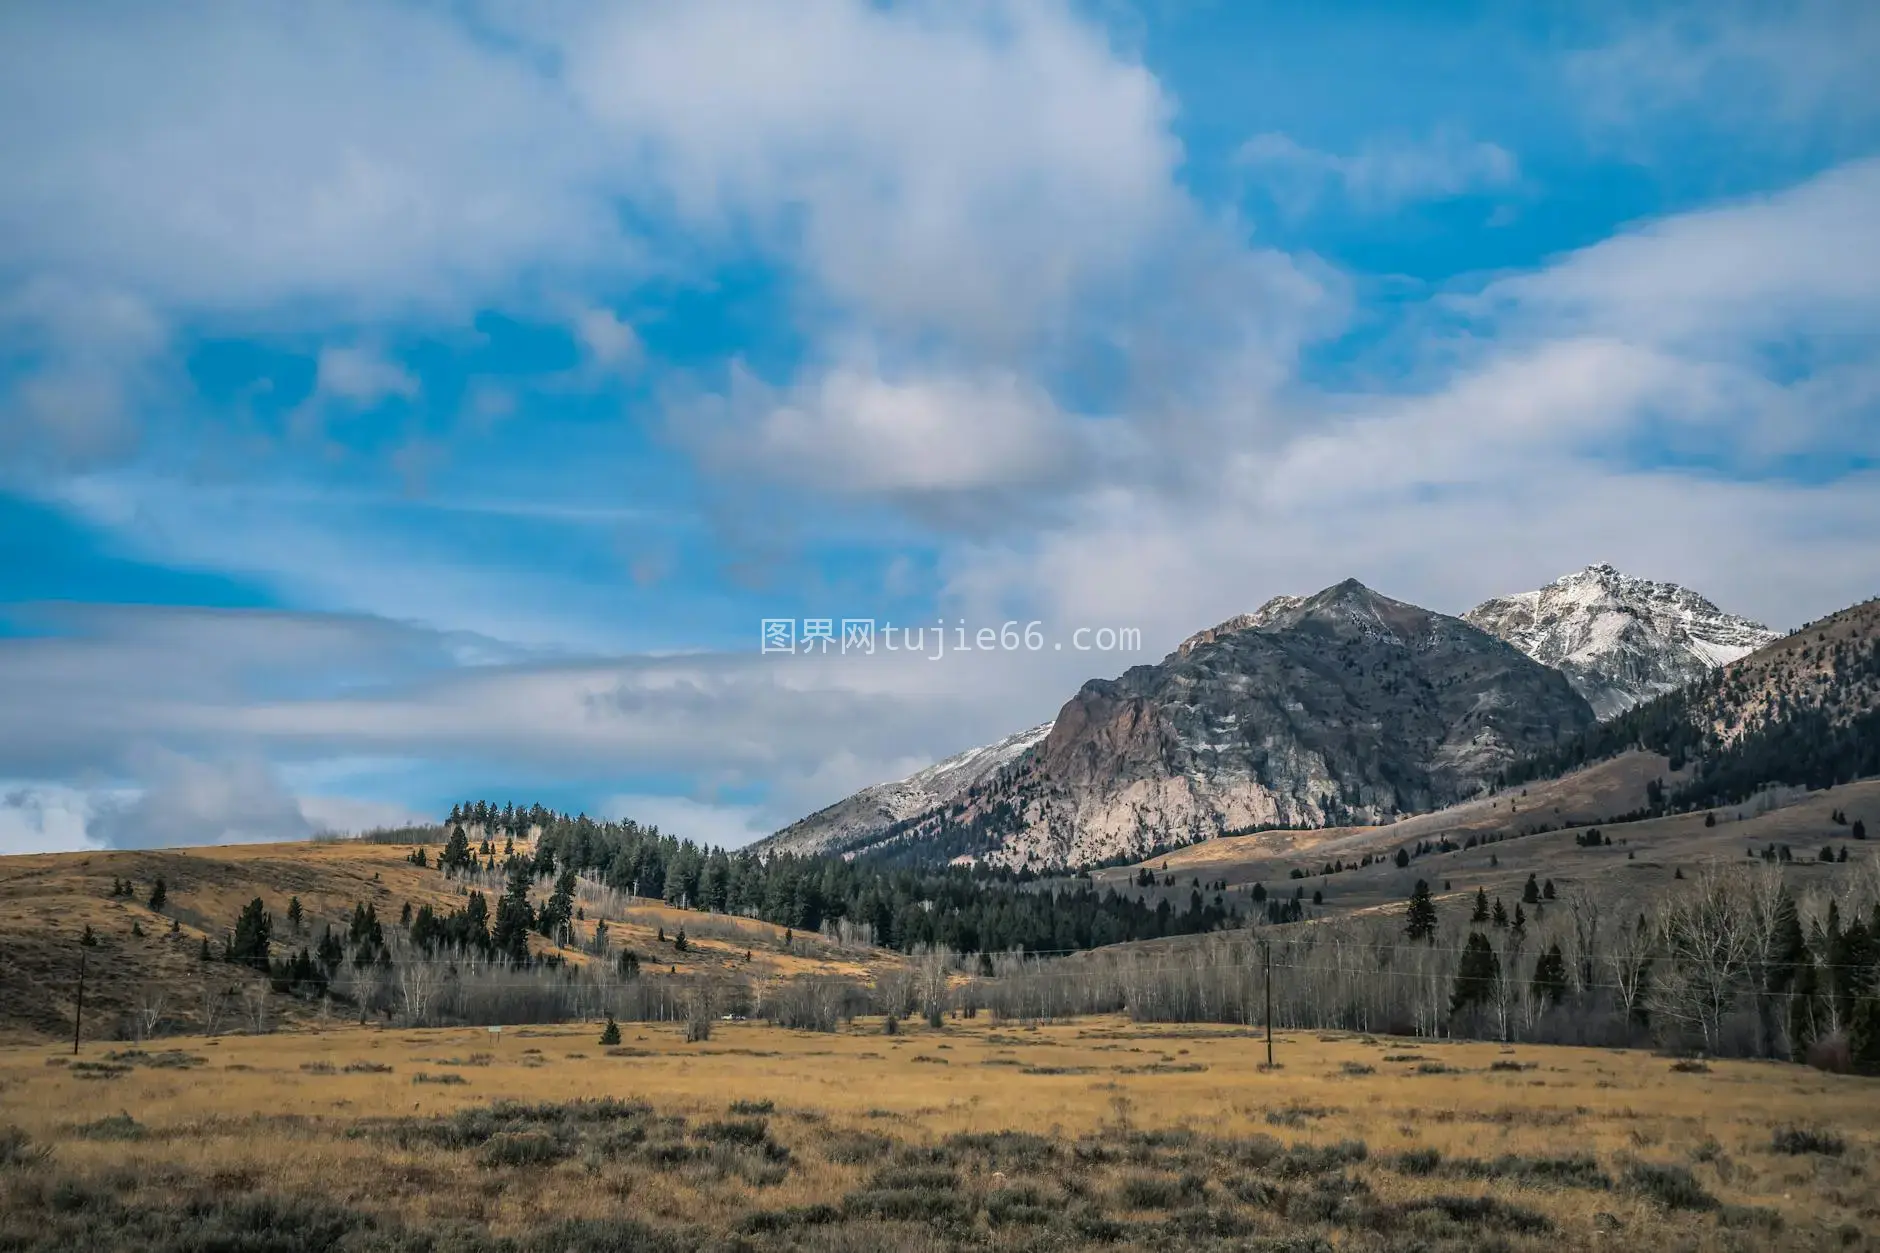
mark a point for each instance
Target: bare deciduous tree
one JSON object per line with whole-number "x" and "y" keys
{"x": 255, "y": 1007}
{"x": 419, "y": 982}
{"x": 1708, "y": 948}
{"x": 148, "y": 1010}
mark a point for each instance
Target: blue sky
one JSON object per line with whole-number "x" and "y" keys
{"x": 401, "y": 403}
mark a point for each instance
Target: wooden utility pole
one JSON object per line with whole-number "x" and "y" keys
{"x": 1266, "y": 957}
{"x": 78, "y": 1018}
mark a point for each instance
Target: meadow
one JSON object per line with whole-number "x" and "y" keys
{"x": 1096, "y": 1132}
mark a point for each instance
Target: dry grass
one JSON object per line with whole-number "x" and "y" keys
{"x": 47, "y": 900}
{"x": 1640, "y": 865}
{"x": 1052, "y": 1137}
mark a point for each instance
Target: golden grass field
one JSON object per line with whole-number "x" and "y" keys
{"x": 48, "y": 899}
{"x": 1129, "y": 1135}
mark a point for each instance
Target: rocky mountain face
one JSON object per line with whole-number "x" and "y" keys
{"x": 1619, "y": 640}
{"x": 861, "y": 819}
{"x": 1346, "y": 706}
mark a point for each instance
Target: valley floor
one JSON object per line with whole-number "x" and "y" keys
{"x": 978, "y": 1134}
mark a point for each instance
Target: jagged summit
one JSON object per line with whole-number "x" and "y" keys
{"x": 1344, "y": 705}
{"x": 1620, "y": 640}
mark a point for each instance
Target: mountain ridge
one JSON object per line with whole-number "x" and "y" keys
{"x": 1620, "y": 640}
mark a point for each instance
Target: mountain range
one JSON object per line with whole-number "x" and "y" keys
{"x": 1342, "y": 707}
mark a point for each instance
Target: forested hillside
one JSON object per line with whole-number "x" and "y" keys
{"x": 966, "y": 910}
{"x": 1803, "y": 712}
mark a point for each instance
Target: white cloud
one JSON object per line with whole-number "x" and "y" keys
{"x": 1382, "y": 174}
{"x": 854, "y": 432}
{"x": 727, "y": 826}
{"x": 1752, "y": 69}
{"x": 189, "y": 802}
{"x": 1801, "y": 261}
{"x": 348, "y": 815}
{"x": 376, "y": 156}
{"x": 44, "y": 818}
{"x": 361, "y": 377}
{"x": 961, "y": 167}
{"x": 80, "y": 349}
{"x": 608, "y": 341}
{"x": 1547, "y": 434}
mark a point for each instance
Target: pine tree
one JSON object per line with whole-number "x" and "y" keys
{"x": 1547, "y": 890}
{"x": 1859, "y": 829}
{"x": 610, "y": 1035}
{"x": 1476, "y": 975}
{"x": 678, "y": 941}
{"x": 556, "y": 914}
{"x": 1480, "y": 913}
{"x": 1421, "y": 921}
{"x": 404, "y": 916}
{"x": 295, "y": 915}
{"x": 158, "y": 895}
{"x": 514, "y": 917}
{"x": 1402, "y": 859}
{"x": 88, "y": 940}
{"x": 1519, "y": 925}
{"x": 253, "y": 929}
{"x": 1531, "y": 892}
{"x": 1550, "y": 976}
{"x": 1501, "y": 913}
{"x": 205, "y": 955}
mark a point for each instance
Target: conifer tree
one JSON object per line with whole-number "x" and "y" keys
{"x": 1531, "y": 892}
{"x": 1420, "y": 924}
{"x": 514, "y": 917}
{"x": 295, "y": 915}
{"x": 1480, "y": 913}
{"x": 1501, "y": 913}
{"x": 610, "y": 1035}
{"x": 456, "y": 855}
{"x": 159, "y": 894}
{"x": 1550, "y": 976}
{"x": 253, "y": 930}
{"x": 1476, "y": 975}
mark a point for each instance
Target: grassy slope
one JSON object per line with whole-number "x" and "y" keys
{"x": 1659, "y": 846}
{"x": 46, "y": 901}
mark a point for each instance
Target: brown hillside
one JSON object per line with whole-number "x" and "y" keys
{"x": 47, "y": 900}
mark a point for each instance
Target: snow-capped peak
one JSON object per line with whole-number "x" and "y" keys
{"x": 1620, "y": 640}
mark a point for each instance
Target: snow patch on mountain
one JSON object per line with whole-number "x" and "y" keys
{"x": 1620, "y": 640}
{"x": 871, "y": 811}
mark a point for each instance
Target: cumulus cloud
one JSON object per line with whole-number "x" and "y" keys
{"x": 962, "y": 167}
{"x": 852, "y": 431}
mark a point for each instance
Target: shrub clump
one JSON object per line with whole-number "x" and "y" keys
{"x": 856, "y": 1148}
{"x": 1798, "y": 1141}
{"x": 17, "y": 1150}
{"x": 112, "y": 1127}
{"x": 1673, "y": 1187}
